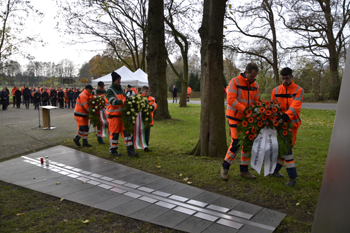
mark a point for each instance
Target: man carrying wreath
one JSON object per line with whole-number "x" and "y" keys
{"x": 242, "y": 91}
{"x": 290, "y": 96}
{"x": 115, "y": 100}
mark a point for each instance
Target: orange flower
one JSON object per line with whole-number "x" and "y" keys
{"x": 258, "y": 104}
{"x": 246, "y": 133}
{"x": 272, "y": 118}
{"x": 260, "y": 124}
{"x": 264, "y": 117}
{"x": 267, "y": 102}
{"x": 267, "y": 123}
{"x": 274, "y": 109}
{"x": 268, "y": 112}
{"x": 245, "y": 124}
{"x": 262, "y": 100}
{"x": 285, "y": 133}
{"x": 253, "y": 130}
{"x": 251, "y": 137}
{"x": 250, "y": 119}
{"x": 283, "y": 109}
{"x": 261, "y": 110}
{"x": 275, "y": 123}
{"x": 248, "y": 112}
{"x": 290, "y": 130}
{"x": 285, "y": 125}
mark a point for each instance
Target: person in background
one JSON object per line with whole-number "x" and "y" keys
{"x": 241, "y": 93}
{"x": 70, "y": 96}
{"x": 45, "y": 97}
{"x": 4, "y": 98}
{"x": 189, "y": 91}
{"x": 53, "y": 95}
{"x": 37, "y": 99}
{"x": 129, "y": 92}
{"x": 18, "y": 95}
{"x": 100, "y": 91}
{"x": 76, "y": 94}
{"x": 174, "y": 91}
{"x": 13, "y": 91}
{"x": 290, "y": 96}
{"x": 26, "y": 96}
{"x": 60, "y": 96}
{"x": 22, "y": 88}
{"x": 152, "y": 102}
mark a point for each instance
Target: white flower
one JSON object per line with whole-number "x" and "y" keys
{"x": 137, "y": 102}
{"x": 130, "y": 103}
{"x": 146, "y": 119}
{"x": 93, "y": 110}
{"x": 147, "y": 113}
{"x": 133, "y": 110}
{"x": 133, "y": 101}
{"x": 93, "y": 102}
{"x": 127, "y": 113}
{"x": 133, "y": 118}
{"x": 133, "y": 122}
{"x": 136, "y": 113}
{"x": 96, "y": 107}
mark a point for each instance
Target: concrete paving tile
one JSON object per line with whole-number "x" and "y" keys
{"x": 189, "y": 192}
{"x": 69, "y": 190}
{"x": 113, "y": 202}
{"x": 85, "y": 191}
{"x": 97, "y": 197}
{"x": 159, "y": 184}
{"x": 248, "y": 208}
{"x": 193, "y": 224}
{"x": 233, "y": 224}
{"x": 149, "y": 213}
{"x": 174, "y": 187}
{"x": 141, "y": 178}
{"x": 250, "y": 229}
{"x": 207, "y": 197}
{"x": 215, "y": 228}
{"x": 226, "y": 202}
{"x": 184, "y": 210}
{"x": 130, "y": 207}
{"x": 269, "y": 217}
{"x": 170, "y": 219}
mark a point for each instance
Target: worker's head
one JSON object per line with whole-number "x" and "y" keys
{"x": 116, "y": 78}
{"x": 145, "y": 90}
{"x": 286, "y": 76}
{"x": 88, "y": 88}
{"x": 129, "y": 87}
{"x": 251, "y": 71}
{"x": 101, "y": 85}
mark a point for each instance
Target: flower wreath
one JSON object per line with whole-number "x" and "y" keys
{"x": 95, "y": 105}
{"x": 130, "y": 111}
{"x": 264, "y": 114}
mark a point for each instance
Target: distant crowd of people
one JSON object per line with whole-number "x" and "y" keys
{"x": 40, "y": 96}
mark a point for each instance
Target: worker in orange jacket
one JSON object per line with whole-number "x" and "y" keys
{"x": 290, "y": 96}
{"x": 189, "y": 91}
{"x": 242, "y": 91}
{"x": 13, "y": 90}
{"x": 152, "y": 102}
{"x": 81, "y": 115}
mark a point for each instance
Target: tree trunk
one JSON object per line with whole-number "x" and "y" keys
{"x": 156, "y": 58}
{"x": 212, "y": 139}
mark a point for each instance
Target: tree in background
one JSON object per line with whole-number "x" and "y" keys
{"x": 102, "y": 65}
{"x": 322, "y": 27}
{"x": 156, "y": 58}
{"x": 259, "y": 36}
{"x": 12, "y": 15}
{"x": 212, "y": 138}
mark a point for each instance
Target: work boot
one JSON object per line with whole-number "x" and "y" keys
{"x": 224, "y": 174}
{"x": 276, "y": 174}
{"x": 85, "y": 143}
{"x": 131, "y": 151}
{"x": 291, "y": 183}
{"x": 114, "y": 152}
{"x": 147, "y": 150}
{"x": 76, "y": 141}
{"x": 100, "y": 140}
{"x": 248, "y": 175}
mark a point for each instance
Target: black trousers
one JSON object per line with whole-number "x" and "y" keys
{"x": 18, "y": 102}
{"x": 14, "y": 100}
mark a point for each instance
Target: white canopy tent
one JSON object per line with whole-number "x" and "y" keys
{"x": 141, "y": 75}
{"x": 128, "y": 77}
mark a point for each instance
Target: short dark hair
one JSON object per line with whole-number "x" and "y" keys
{"x": 145, "y": 88}
{"x": 252, "y": 66}
{"x": 101, "y": 84}
{"x": 286, "y": 71}
{"x": 88, "y": 87}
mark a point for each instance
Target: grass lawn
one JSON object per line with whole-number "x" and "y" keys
{"x": 171, "y": 140}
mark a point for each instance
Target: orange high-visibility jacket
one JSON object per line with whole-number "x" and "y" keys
{"x": 240, "y": 94}
{"x": 22, "y": 90}
{"x": 115, "y": 100}
{"x": 291, "y": 97}
{"x": 13, "y": 90}
{"x": 189, "y": 90}
{"x": 82, "y": 105}
{"x": 152, "y": 102}
{"x": 134, "y": 89}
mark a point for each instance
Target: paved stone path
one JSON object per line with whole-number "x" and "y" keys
{"x": 93, "y": 181}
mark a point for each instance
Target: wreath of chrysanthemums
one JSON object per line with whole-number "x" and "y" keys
{"x": 130, "y": 111}
{"x": 95, "y": 105}
{"x": 261, "y": 114}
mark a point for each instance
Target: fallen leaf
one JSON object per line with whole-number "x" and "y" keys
{"x": 180, "y": 175}
{"x": 19, "y": 214}
{"x": 86, "y": 221}
{"x": 84, "y": 182}
{"x": 159, "y": 166}
{"x": 58, "y": 183}
{"x": 174, "y": 184}
{"x": 65, "y": 220}
{"x": 106, "y": 162}
{"x": 62, "y": 199}
{"x": 186, "y": 179}
{"x": 189, "y": 182}
{"x": 297, "y": 204}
